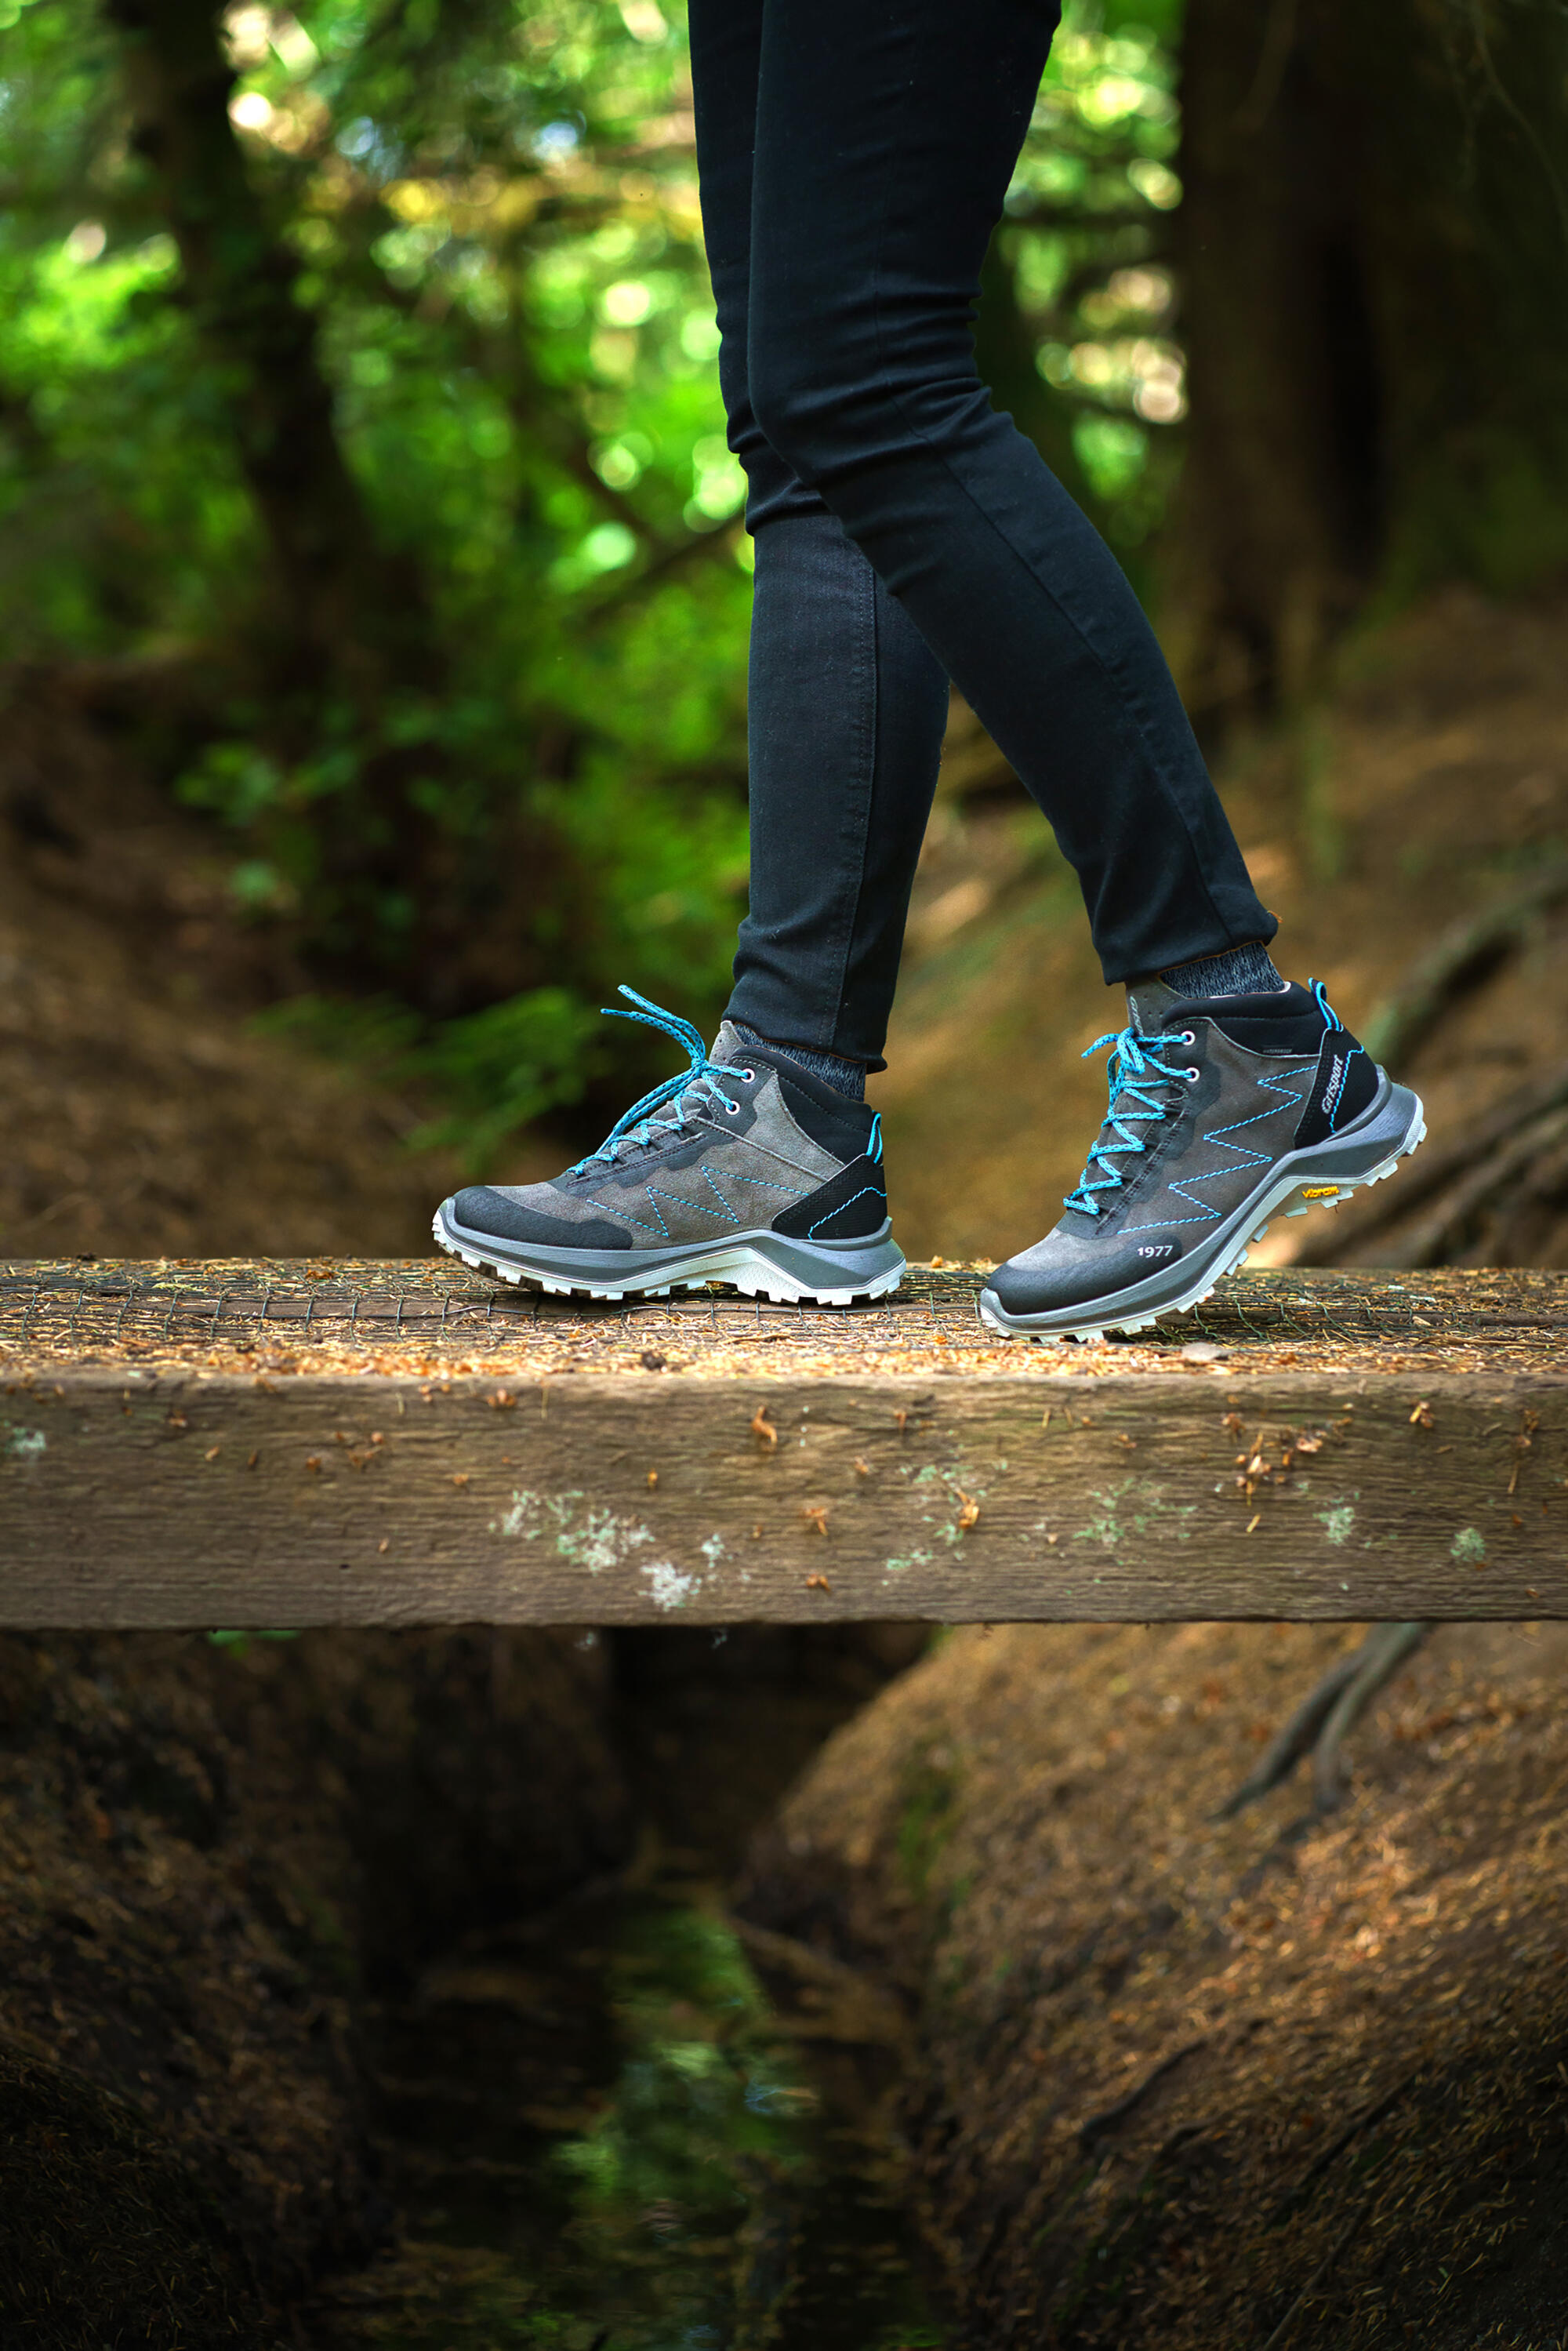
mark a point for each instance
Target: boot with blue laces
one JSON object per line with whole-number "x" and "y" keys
{"x": 743, "y": 1168}
{"x": 1225, "y": 1111}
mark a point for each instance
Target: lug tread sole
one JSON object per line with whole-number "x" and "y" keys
{"x": 780, "y": 1289}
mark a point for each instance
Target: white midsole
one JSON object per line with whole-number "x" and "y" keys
{"x": 752, "y": 1273}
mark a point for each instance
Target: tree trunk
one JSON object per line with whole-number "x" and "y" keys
{"x": 351, "y": 614}
{"x": 395, "y": 893}
{"x": 1374, "y": 248}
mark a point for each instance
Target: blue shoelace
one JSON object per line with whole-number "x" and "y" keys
{"x": 1134, "y": 1067}
{"x": 688, "y": 1089}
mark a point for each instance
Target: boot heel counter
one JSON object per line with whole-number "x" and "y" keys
{"x": 852, "y": 1207}
{"x": 1345, "y": 1083}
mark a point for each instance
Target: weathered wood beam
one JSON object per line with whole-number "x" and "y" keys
{"x": 180, "y": 1496}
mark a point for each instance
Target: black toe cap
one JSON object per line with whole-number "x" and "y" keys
{"x": 489, "y": 1214}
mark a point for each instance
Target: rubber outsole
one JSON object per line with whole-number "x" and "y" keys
{"x": 745, "y": 1266}
{"x": 1098, "y": 1316}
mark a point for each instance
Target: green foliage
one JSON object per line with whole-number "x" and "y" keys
{"x": 702, "y": 2089}
{"x": 493, "y": 1072}
{"x": 1087, "y": 237}
{"x": 704, "y": 2193}
{"x": 504, "y": 1067}
{"x": 491, "y": 212}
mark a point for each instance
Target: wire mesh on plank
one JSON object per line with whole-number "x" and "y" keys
{"x": 387, "y": 1315}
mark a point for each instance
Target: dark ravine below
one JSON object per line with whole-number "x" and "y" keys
{"x": 787, "y": 1992}
{"x": 378, "y": 1990}
{"x": 634, "y": 2122}
{"x": 209, "y": 1857}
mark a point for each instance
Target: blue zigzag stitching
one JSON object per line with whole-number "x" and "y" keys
{"x": 662, "y": 1226}
{"x": 1248, "y": 1157}
{"x": 723, "y": 1209}
{"x": 796, "y": 1191}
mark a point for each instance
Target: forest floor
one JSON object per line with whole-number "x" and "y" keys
{"x": 145, "y": 1115}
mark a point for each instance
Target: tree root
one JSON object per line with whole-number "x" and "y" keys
{"x": 1327, "y": 1716}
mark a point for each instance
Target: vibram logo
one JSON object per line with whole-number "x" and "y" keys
{"x": 1320, "y": 1191}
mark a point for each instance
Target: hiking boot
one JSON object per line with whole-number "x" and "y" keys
{"x": 744, "y": 1169}
{"x": 1224, "y": 1111}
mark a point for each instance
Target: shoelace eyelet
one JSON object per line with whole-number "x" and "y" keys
{"x": 1192, "y": 1076}
{"x": 1187, "y": 1036}
{"x": 733, "y": 1108}
{"x": 749, "y": 1076}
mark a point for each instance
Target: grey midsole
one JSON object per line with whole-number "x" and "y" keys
{"x": 837, "y": 1264}
{"x": 1382, "y": 1130}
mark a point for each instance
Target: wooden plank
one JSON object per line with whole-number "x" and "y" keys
{"x": 268, "y": 1444}
{"x": 183, "y": 1496}
{"x": 428, "y": 1315}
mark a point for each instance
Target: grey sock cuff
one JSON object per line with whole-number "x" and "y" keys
{"x": 847, "y": 1077}
{"x": 1237, "y": 971}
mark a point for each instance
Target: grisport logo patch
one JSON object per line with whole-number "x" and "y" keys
{"x": 1335, "y": 1086}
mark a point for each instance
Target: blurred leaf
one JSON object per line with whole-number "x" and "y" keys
{"x": 503, "y": 1068}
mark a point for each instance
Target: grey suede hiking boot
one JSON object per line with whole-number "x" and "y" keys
{"x": 744, "y": 1169}
{"x": 1224, "y": 1111}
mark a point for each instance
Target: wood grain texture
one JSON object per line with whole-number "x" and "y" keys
{"x": 423, "y": 1317}
{"x": 176, "y": 1497}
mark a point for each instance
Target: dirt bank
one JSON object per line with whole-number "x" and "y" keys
{"x": 142, "y": 1112}
{"x": 1279, "y": 2082}
{"x": 205, "y": 1856}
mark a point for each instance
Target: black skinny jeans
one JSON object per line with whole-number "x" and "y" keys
{"x": 854, "y": 155}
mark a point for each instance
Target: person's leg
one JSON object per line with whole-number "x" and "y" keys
{"x": 756, "y": 1164}
{"x": 886, "y": 133}
{"x": 886, "y": 139}
{"x": 847, "y": 703}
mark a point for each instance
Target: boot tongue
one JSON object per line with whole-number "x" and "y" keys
{"x": 728, "y": 1048}
{"x": 1151, "y": 1006}
{"x": 736, "y": 1052}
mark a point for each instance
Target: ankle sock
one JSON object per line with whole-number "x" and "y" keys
{"x": 1237, "y": 971}
{"x": 846, "y": 1077}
